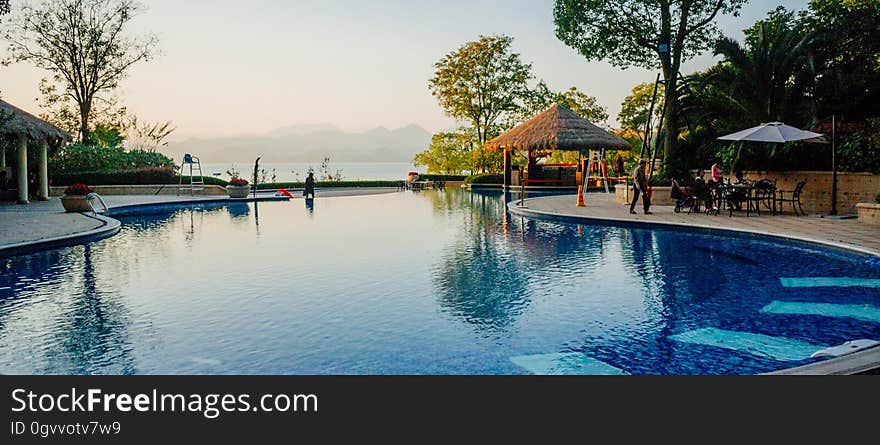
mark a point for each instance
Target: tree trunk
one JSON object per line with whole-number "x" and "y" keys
{"x": 84, "y": 111}
{"x": 670, "y": 119}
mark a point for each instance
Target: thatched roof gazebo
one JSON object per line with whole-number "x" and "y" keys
{"x": 557, "y": 128}
{"x": 20, "y": 127}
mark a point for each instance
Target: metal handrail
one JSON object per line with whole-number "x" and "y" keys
{"x": 94, "y": 195}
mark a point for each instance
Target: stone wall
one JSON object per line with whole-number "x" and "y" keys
{"x": 170, "y": 189}
{"x": 660, "y": 196}
{"x": 869, "y": 214}
{"x": 852, "y": 188}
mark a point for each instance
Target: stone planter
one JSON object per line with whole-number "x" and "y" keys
{"x": 238, "y": 191}
{"x": 660, "y": 196}
{"x": 76, "y": 203}
{"x": 869, "y": 213}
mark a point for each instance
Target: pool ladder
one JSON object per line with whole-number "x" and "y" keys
{"x": 94, "y": 195}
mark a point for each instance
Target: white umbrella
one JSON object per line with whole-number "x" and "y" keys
{"x": 774, "y": 132}
{"x": 779, "y": 133}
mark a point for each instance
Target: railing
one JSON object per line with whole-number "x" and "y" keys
{"x": 92, "y": 196}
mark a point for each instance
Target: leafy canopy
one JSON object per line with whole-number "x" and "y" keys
{"x": 83, "y": 44}
{"x": 480, "y": 81}
{"x": 632, "y": 32}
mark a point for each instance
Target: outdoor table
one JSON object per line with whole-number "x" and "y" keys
{"x": 749, "y": 194}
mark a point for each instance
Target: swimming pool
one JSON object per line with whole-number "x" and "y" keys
{"x": 424, "y": 283}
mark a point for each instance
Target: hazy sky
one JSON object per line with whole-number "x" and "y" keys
{"x": 232, "y": 67}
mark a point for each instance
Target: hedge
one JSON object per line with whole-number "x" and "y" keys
{"x": 76, "y": 158}
{"x": 485, "y": 178}
{"x": 141, "y": 176}
{"x": 327, "y": 184}
{"x": 432, "y": 177}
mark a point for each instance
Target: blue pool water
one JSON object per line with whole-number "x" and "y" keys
{"x": 423, "y": 283}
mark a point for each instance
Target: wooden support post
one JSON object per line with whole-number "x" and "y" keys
{"x": 507, "y": 168}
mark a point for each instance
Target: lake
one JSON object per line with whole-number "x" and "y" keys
{"x": 288, "y": 171}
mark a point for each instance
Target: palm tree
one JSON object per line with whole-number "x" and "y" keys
{"x": 769, "y": 78}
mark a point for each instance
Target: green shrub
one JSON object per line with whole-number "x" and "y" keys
{"x": 141, "y": 176}
{"x": 485, "y": 178}
{"x": 877, "y": 198}
{"x": 326, "y": 184}
{"x": 77, "y": 158}
{"x": 432, "y": 177}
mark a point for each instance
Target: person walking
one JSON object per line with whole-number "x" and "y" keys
{"x": 309, "y": 191}
{"x": 640, "y": 186}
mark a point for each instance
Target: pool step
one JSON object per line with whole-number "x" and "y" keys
{"x": 778, "y": 348}
{"x": 865, "y": 312}
{"x": 571, "y": 363}
{"x": 830, "y": 282}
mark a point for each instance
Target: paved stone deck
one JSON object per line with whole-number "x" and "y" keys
{"x": 849, "y": 233}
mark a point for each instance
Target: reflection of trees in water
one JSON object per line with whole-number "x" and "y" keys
{"x": 19, "y": 273}
{"x": 484, "y": 277}
{"x": 96, "y": 339}
{"x": 89, "y": 333}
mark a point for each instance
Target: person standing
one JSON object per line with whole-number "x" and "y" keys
{"x": 618, "y": 166}
{"x": 309, "y": 191}
{"x": 640, "y": 186}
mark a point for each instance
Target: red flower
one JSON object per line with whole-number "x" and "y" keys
{"x": 78, "y": 190}
{"x": 235, "y": 180}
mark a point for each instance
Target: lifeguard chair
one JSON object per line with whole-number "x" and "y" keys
{"x": 195, "y": 171}
{"x": 598, "y": 170}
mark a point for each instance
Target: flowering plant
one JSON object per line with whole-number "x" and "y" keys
{"x": 78, "y": 190}
{"x": 235, "y": 180}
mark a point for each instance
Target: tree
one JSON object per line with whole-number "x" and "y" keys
{"x": 147, "y": 136}
{"x": 480, "y": 82}
{"x": 583, "y": 105}
{"x": 847, "y": 57}
{"x": 542, "y": 97}
{"x": 644, "y": 33}
{"x": 449, "y": 153}
{"x": 5, "y": 7}
{"x": 636, "y": 107}
{"x": 770, "y": 74}
{"x": 83, "y": 45}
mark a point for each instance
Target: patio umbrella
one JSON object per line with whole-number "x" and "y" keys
{"x": 777, "y": 132}
{"x": 774, "y": 132}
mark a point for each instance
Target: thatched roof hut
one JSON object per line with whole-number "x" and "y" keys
{"x": 558, "y": 128}
{"x": 31, "y": 127}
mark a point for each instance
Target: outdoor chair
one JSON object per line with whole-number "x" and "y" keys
{"x": 794, "y": 198}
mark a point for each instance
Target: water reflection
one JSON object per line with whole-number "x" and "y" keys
{"x": 87, "y": 328}
{"x": 488, "y": 276}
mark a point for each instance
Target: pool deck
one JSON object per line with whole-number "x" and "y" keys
{"x": 45, "y": 224}
{"x": 848, "y": 234}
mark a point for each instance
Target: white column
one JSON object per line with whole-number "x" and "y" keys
{"x": 22, "y": 171}
{"x": 44, "y": 171}
{"x": 2, "y": 157}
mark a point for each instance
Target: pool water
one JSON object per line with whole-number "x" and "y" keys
{"x": 437, "y": 282}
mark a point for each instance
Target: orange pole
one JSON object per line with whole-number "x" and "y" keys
{"x": 580, "y": 179}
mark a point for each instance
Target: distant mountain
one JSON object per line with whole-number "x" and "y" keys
{"x": 310, "y": 143}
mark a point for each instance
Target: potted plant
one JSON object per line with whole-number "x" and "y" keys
{"x": 76, "y": 198}
{"x": 238, "y": 187}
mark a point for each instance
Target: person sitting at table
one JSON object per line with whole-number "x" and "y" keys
{"x": 738, "y": 190}
{"x": 701, "y": 191}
